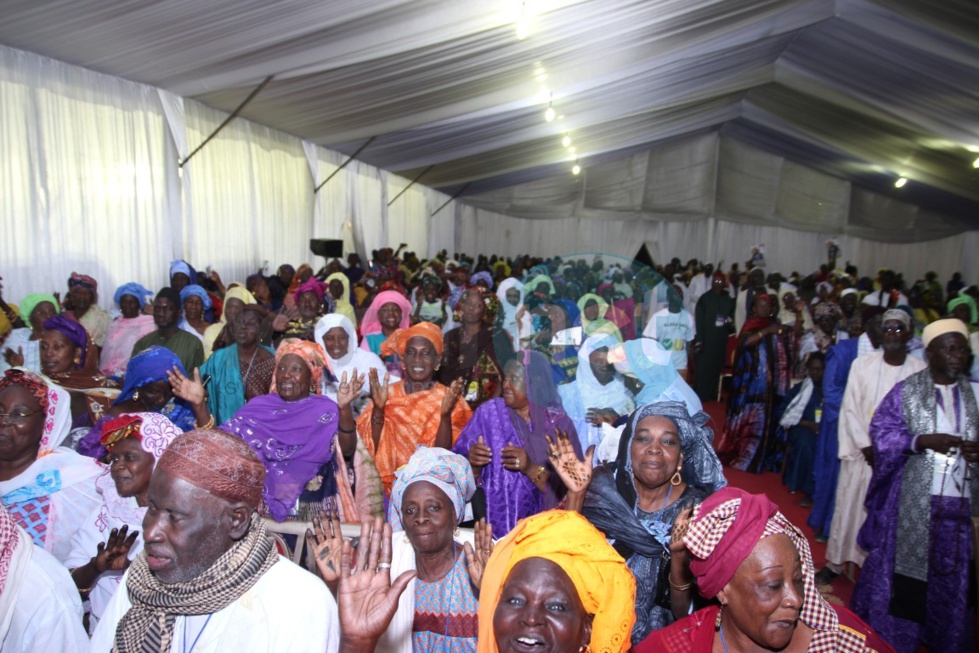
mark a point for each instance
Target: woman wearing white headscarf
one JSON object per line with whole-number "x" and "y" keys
{"x": 598, "y": 393}
{"x": 48, "y": 489}
{"x": 337, "y": 336}
{"x": 513, "y": 326}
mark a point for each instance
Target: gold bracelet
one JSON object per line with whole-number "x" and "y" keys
{"x": 208, "y": 425}
{"x": 679, "y": 588}
{"x": 540, "y": 472}
{"x": 71, "y": 572}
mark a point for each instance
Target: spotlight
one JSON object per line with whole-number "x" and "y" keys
{"x": 566, "y": 142}
{"x": 550, "y": 114}
{"x": 576, "y": 169}
{"x": 900, "y": 182}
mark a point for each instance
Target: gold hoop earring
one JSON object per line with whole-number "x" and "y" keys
{"x": 676, "y": 479}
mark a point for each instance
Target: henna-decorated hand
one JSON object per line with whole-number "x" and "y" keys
{"x": 574, "y": 473}
{"x": 326, "y": 542}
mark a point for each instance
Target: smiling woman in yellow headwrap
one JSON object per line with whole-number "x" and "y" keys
{"x": 556, "y": 557}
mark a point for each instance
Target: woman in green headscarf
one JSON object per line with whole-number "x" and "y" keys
{"x": 23, "y": 346}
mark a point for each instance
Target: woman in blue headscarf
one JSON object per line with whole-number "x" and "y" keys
{"x": 124, "y": 331}
{"x": 652, "y": 365}
{"x": 195, "y": 303}
{"x": 146, "y": 390}
{"x": 664, "y": 463}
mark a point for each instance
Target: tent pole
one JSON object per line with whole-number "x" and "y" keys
{"x": 234, "y": 114}
{"x": 449, "y": 201}
{"x": 344, "y": 164}
{"x": 405, "y": 189}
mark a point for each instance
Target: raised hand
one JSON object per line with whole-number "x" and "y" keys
{"x": 480, "y": 454}
{"x": 574, "y": 473}
{"x": 326, "y": 544}
{"x": 379, "y": 391}
{"x": 451, "y": 397}
{"x": 599, "y": 416}
{"x": 349, "y": 389}
{"x": 680, "y": 526}
{"x": 114, "y": 554}
{"x": 190, "y": 390}
{"x": 366, "y": 597}
{"x": 14, "y": 358}
{"x": 476, "y": 558}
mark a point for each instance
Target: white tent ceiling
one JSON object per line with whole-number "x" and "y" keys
{"x": 857, "y": 92}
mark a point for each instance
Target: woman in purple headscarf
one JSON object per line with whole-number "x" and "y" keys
{"x": 69, "y": 358}
{"x": 506, "y": 445}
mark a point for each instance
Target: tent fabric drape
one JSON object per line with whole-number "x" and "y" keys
{"x": 90, "y": 183}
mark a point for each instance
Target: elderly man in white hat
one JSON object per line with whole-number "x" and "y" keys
{"x": 914, "y": 586}
{"x": 871, "y": 377}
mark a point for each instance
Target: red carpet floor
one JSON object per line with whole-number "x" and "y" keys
{"x": 771, "y": 484}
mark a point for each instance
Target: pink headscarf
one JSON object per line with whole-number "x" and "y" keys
{"x": 370, "y": 323}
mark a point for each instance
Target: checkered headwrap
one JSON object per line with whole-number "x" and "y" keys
{"x": 724, "y": 531}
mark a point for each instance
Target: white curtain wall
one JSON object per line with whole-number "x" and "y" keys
{"x": 90, "y": 182}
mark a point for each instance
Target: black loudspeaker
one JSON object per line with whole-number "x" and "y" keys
{"x": 326, "y": 248}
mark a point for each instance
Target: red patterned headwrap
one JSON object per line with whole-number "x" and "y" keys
{"x": 83, "y": 280}
{"x": 725, "y": 538}
{"x": 217, "y": 462}
{"x": 119, "y": 429}
{"x": 34, "y": 383}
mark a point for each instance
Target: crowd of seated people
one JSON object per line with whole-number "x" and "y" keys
{"x": 553, "y": 408}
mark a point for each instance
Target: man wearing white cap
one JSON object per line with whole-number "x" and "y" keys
{"x": 871, "y": 377}
{"x": 914, "y": 586}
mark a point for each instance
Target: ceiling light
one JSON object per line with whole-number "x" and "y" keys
{"x": 550, "y": 114}
{"x": 900, "y": 182}
{"x": 576, "y": 169}
{"x": 975, "y": 164}
{"x": 566, "y": 142}
{"x": 523, "y": 29}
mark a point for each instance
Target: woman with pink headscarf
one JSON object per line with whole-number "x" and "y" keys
{"x": 389, "y": 312}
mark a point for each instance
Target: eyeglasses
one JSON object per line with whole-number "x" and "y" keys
{"x": 17, "y": 417}
{"x": 895, "y": 328}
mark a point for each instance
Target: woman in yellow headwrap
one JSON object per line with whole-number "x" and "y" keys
{"x": 216, "y": 337}
{"x": 556, "y": 557}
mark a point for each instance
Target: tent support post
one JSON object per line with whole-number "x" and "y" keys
{"x": 405, "y": 189}
{"x": 234, "y": 114}
{"x": 344, "y": 164}
{"x": 449, "y": 201}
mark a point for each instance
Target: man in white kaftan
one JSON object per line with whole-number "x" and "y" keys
{"x": 871, "y": 377}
